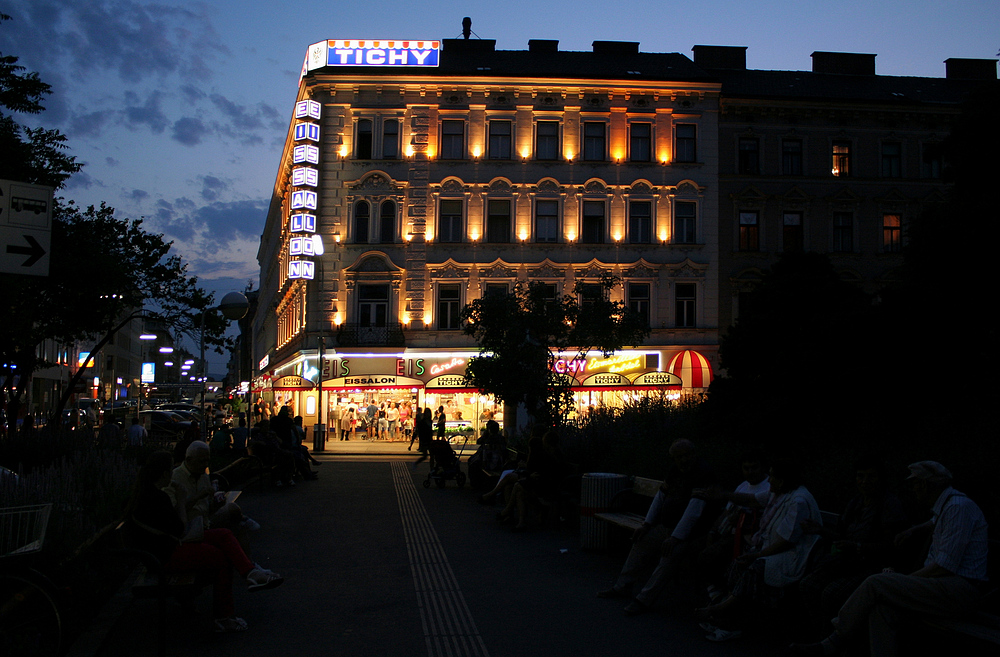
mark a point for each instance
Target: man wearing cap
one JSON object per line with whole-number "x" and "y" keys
{"x": 949, "y": 584}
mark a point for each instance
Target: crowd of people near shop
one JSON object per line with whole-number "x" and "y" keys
{"x": 762, "y": 551}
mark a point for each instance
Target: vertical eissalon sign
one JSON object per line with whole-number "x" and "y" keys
{"x": 305, "y": 200}
{"x": 371, "y": 53}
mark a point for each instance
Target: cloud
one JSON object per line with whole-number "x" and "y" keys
{"x": 211, "y": 186}
{"x": 89, "y": 124}
{"x": 81, "y": 180}
{"x": 139, "y": 195}
{"x": 149, "y": 113}
{"x": 189, "y": 131}
{"x": 112, "y": 162}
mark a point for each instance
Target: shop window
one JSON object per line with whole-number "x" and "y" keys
{"x": 684, "y": 305}
{"x": 387, "y": 222}
{"x": 686, "y": 143}
{"x": 365, "y": 140}
{"x": 546, "y": 221}
{"x": 892, "y": 159}
{"x": 640, "y": 222}
{"x": 792, "y": 237}
{"x": 547, "y": 140}
{"x": 451, "y": 224}
{"x": 748, "y": 162}
{"x": 594, "y": 141}
{"x": 932, "y": 160}
{"x": 498, "y": 222}
{"x": 791, "y": 157}
{"x": 749, "y": 231}
{"x": 892, "y": 233}
{"x": 843, "y": 232}
{"x": 449, "y": 307}
{"x": 452, "y": 139}
{"x": 841, "y": 158}
{"x": 500, "y": 132}
{"x": 640, "y": 144}
{"x": 684, "y": 222}
{"x": 373, "y": 305}
{"x": 638, "y": 300}
{"x": 362, "y": 218}
{"x": 390, "y": 139}
{"x": 592, "y": 228}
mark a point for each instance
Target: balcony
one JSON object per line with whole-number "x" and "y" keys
{"x": 358, "y": 335}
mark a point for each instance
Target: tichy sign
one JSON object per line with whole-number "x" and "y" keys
{"x": 372, "y": 53}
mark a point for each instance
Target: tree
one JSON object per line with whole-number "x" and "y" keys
{"x": 31, "y": 155}
{"x": 521, "y": 335}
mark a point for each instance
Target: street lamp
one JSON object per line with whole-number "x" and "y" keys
{"x": 234, "y": 306}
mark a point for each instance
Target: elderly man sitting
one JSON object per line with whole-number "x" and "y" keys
{"x": 190, "y": 481}
{"x": 948, "y": 585}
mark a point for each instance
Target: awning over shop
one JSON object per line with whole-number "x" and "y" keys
{"x": 693, "y": 369}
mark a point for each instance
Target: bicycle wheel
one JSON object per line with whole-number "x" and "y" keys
{"x": 29, "y": 618}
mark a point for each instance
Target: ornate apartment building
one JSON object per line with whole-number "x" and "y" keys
{"x": 418, "y": 176}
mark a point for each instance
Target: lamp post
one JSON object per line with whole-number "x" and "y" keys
{"x": 234, "y": 306}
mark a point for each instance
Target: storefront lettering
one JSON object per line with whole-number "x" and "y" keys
{"x": 618, "y": 363}
{"x": 406, "y": 366}
{"x": 574, "y": 366}
{"x": 370, "y": 380}
{"x": 444, "y": 367}
{"x": 331, "y": 368}
{"x": 607, "y": 379}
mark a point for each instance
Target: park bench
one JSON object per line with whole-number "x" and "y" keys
{"x": 623, "y": 508}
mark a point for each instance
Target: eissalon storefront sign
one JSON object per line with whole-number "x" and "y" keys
{"x": 372, "y": 53}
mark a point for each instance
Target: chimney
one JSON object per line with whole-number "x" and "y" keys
{"x": 616, "y": 47}
{"x": 731, "y": 57}
{"x": 543, "y": 45}
{"x": 846, "y": 63}
{"x": 970, "y": 69}
{"x": 468, "y": 46}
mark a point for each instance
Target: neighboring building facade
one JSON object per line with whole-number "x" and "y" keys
{"x": 427, "y": 187}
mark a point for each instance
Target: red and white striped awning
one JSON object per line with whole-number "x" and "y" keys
{"x": 693, "y": 368}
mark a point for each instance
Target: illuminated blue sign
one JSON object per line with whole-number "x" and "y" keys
{"x": 301, "y": 269}
{"x": 303, "y": 223}
{"x": 307, "y": 109}
{"x": 305, "y": 177}
{"x": 308, "y": 131}
{"x": 305, "y": 153}
{"x": 304, "y": 200}
{"x": 372, "y": 53}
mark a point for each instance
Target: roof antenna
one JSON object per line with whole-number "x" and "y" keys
{"x": 467, "y": 27}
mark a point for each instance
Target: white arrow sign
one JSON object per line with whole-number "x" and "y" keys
{"x": 25, "y": 228}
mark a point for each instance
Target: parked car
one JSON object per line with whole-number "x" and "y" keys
{"x": 163, "y": 425}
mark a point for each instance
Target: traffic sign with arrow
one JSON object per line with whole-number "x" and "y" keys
{"x": 25, "y": 228}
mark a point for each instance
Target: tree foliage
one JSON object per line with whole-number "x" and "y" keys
{"x": 521, "y": 335}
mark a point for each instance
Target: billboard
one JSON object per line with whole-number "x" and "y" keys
{"x": 339, "y": 52}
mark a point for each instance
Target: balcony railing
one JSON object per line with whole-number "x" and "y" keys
{"x": 358, "y": 335}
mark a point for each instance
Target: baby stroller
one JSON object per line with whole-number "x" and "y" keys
{"x": 445, "y": 464}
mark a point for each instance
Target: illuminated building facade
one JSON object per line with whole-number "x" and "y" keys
{"x": 408, "y": 189}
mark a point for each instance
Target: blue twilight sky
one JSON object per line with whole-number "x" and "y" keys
{"x": 179, "y": 109}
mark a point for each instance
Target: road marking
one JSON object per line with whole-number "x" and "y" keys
{"x": 449, "y": 630}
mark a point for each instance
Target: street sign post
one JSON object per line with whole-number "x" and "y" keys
{"x": 25, "y": 228}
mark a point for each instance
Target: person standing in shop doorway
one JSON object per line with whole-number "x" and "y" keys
{"x": 424, "y": 428}
{"x": 442, "y": 419}
{"x": 371, "y": 423}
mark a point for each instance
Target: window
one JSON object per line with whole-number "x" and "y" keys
{"x": 684, "y": 305}
{"x": 365, "y": 140}
{"x": 362, "y": 217}
{"x": 640, "y": 145}
{"x": 843, "y": 232}
{"x": 638, "y": 299}
{"x": 499, "y": 140}
{"x": 892, "y": 159}
{"x": 449, "y": 307}
{"x": 498, "y": 222}
{"x": 892, "y": 233}
{"x": 373, "y": 305}
{"x": 640, "y": 222}
{"x": 684, "y": 222}
{"x": 450, "y": 224}
{"x": 841, "y": 158}
{"x": 546, "y": 221}
{"x": 495, "y": 290}
{"x": 592, "y": 230}
{"x": 387, "y": 222}
{"x": 749, "y": 231}
{"x": 685, "y": 148}
{"x": 791, "y": 231}
{"x": 932, "y": 161}
{"x": 547, "y": 140}
{"x": 791, "y": 157}
{"x": 594, "y": 142}
{"x": 548, "y": 291}
{"x": 749, "y": 156}
{"x": 590, "y": 294}
{"x": 453, "y": 139}
{"x": 390, "y": 139}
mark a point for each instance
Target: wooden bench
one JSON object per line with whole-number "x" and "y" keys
{"x": 618, "y": 514}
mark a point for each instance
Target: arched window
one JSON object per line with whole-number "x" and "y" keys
{"x": 387, "y": 222}
{"x": 362, "y": 216}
